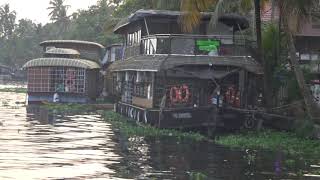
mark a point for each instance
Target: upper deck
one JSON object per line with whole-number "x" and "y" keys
{"x": 87, "y": 50}
{"x": 155, "y": 32}
{"x": 190, "y": 45}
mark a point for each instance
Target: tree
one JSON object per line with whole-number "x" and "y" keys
{"x": 58, "y": 10}
{"x": 59, "y": 15}
{"x": 125, "y": 7}
{"x": 94, "y": 24}
{"x": 7, "y": 21}
{"x": 293, "y": 13}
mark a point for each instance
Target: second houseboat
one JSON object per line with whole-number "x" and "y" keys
{"x": 68, "y": 72}
{"x": 171, "y": 79}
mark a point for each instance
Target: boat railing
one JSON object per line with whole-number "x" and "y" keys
{"x": 191, "y": 45}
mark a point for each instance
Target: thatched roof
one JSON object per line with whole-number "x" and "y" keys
{"x": 79, "y": 63}
{"x": 63, "y": 51}
{"x": 51, "y": 42}
{"x": 156, "y": 63}
{"x": 142, "y": 13}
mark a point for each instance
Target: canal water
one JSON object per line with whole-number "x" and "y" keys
{"x": 38, "y": 144}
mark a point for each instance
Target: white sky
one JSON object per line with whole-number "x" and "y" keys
{"x": 36, "y": 10}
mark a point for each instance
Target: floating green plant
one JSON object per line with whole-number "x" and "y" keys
{"x": 130, "y": 128}
{"x": 197, "y": 176}
{"x": 289, "y": 143}
{"x": 15, "y": 90}
{"x": 69, "y": 108}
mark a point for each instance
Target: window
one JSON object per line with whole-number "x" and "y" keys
{"x": 150, "y": 46}
{"x": 134, "y": 38}
{"x": 56, "y": 79}
{"x": 315, "y": 22}
{"x": 143, "y": 85}
{"x": 182, "y": 46}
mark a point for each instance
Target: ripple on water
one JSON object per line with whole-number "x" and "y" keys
{"x": 35, "y": 144}
{"x": 45, "y": 146}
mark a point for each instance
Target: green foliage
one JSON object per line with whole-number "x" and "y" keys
{"x": 58, "y": 10}
{"x": 130, "y": 6}
{"x": 304, "y": 128}
{"x": 68, "y": 108}
{"x": 289, "y": 143}
{"x": 129, "y": 128}
{"x": 7, "y": 21}
{"x": 94, "y": 24}
{"x": 22, "y": 44}
{"x": 16, "y": 90}
{"x": 197, "y": 176}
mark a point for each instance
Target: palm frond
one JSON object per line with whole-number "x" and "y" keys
{"x": 192, "y": 10}
{"x": 296, "y": 11}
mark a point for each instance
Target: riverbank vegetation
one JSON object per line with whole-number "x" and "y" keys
{"x": 68, "y": 108}
{"x": 287, "y": 142}
{"x": 130, "y": 128}
{"x": 15, "y": 90}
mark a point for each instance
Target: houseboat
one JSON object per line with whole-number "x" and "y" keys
{"x": 172, "y": 79}
{"x": 68, "y": 72}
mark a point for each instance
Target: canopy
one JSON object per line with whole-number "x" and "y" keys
{"x": 66, "y": 62}
{"x": 159, "y": 62}
{"x": 142, "y": 13}
{"x": 63, "y": 51}
{"x": 235, "y": 21}
{"x": 44, "y": 43}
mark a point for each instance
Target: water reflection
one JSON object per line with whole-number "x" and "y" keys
{"x": 38, "y": 144}
{"x": 35, "y": 112}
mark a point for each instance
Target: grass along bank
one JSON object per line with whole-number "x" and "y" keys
{"x": 14, "y": 90}
{"x": 130, "y": 128}
{"x": 289, "y": 143}
{"x": 69, "y": 108}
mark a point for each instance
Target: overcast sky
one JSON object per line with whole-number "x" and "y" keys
{"x": 36, "y": 10}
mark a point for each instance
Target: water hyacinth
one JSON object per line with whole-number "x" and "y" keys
{"x": 130, "y": 128}
{"x": 287, "y": 142}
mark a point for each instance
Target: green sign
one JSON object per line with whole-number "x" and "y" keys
{"x": 208, "y": 45}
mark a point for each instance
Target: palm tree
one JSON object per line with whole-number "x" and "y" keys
{"x": 7, "y": 21}
{"x": 58, "y": 10}
{"x": 59, "y": 15}
{"x": 293, "y": 13}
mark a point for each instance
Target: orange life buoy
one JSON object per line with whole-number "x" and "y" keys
{"x": 174, "y": 94}
{"x": 184, "y": 94}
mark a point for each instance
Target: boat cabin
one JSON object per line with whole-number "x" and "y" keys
{"x": 172, "y": 79}
{"x": 113, "y": 52}
{"x": 68, "y": 71}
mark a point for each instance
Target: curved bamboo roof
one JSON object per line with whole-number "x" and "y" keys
{"x": 161, "y": 62}
{"x": 66, "y": 62}
{"x": 71, "y": 42}
{"x": 142, "y": 13}
{"x": 62, "y": 51}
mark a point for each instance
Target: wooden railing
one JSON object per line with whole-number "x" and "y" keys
{"x": 191, "y": 45}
